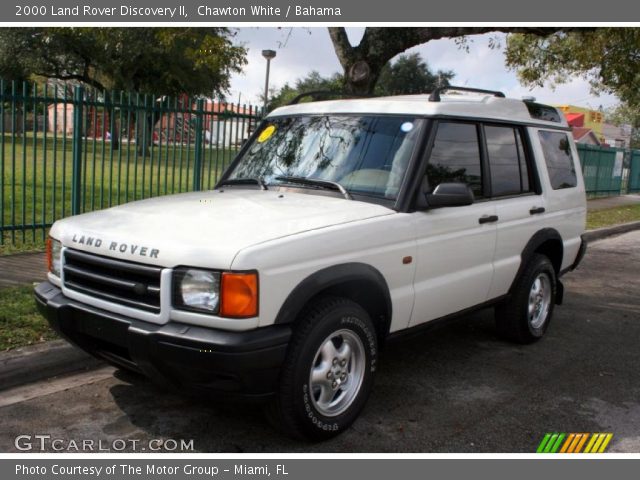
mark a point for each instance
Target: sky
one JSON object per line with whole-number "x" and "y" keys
{"x": 301, "y": 50}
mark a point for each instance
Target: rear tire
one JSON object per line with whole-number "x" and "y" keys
{"x": 328, "y": 373}
{"x": 525, "y": 317}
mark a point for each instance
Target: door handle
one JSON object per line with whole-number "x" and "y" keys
{"x": 536, "y": 210}
{"x": 488, "y": 219}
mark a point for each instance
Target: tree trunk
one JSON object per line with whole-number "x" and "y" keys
{"x": 144, "y": 133}
{"x": 363, "y": 63}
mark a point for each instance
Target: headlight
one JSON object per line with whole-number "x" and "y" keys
{"x": 197, "y": 290}
{"x": 54, "y": 252}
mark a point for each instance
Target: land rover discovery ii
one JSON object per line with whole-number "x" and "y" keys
{"x": 338, "y": 224}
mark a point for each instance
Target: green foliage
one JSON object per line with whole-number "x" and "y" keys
{"x": 607, "y": 57}
{"x": 144, "y": 60}
{"x": 311, "y": 83}
{"x": 410, "y": 74}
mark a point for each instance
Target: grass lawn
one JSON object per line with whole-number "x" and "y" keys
{"x": 20, "y": 322}
{"x": 37, "y": 177}
{"x": 613, "y": 216}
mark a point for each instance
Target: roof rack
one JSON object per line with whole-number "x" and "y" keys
{"x": 435, "y": 95}
{"x": 316, "y": 93}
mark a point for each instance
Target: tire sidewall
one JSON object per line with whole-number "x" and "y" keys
{"x": 349, "y": 317}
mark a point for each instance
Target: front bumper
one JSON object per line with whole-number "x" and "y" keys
{"x": 227, "y": 364}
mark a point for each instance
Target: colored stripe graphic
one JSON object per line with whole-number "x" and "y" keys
{"x": 543, "y": 443}
{"x": 581, "y": 443}
{"x": 574, "y": 442}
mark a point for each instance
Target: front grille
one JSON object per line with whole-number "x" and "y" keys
{"x": 126, "y": 283}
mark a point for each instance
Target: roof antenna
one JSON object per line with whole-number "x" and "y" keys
{"x": 529, "y": 98}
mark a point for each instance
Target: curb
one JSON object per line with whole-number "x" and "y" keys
{"x": 38, "y": 362}
{"x": 600, "y": 233}
{"x": 49, "y": 359}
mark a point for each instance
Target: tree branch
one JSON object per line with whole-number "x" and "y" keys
{"x": 380, "y": 44}
{"x": 341, "y": 45}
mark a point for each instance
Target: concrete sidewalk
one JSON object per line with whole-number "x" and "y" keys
{"x": 31, "y": 267}
{"x": 22, "y": 268}
{"x": 612, "y": 202}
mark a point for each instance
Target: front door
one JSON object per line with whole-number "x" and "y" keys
{"x": 455, "y": 245}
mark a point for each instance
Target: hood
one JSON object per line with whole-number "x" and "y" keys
{"x": 205, "y": 229}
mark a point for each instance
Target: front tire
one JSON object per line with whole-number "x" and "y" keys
{"x": 328, "y": 373}
{"x": 525, "y": 317}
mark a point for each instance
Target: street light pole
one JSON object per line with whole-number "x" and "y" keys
{"x": 268, "y": 55}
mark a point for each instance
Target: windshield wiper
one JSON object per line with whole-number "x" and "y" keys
{"x": 318, "y": 183}
{"x": 245, "y": 181}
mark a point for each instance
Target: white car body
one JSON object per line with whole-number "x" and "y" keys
{"x": 459, "y": 263}
{"x": 403, "y": 262}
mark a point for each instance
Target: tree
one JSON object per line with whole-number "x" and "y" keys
{"x": 363, "y": 64}
{"x": 311, "y": 83}
{"x": 161, "y": 61}
{"x": 143, "y": 60}
{"x": 623, "y": 114}
{"x": 407, "y": 75}
{"x": 410, "y": 74}
{"x": 608, "y": 57}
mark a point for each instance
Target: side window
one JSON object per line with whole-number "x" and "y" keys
{"x": 507, "y": 161}
{"x": 455, "y": 157}
{"x": 557, "y": 155}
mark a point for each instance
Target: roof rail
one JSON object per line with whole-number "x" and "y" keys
{"x": 435, "y": 95}
{"x": 316, "y": 93}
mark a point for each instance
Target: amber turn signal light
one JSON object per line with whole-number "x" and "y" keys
{"x": 239, "y": 295}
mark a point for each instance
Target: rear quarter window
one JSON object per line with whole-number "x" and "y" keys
{"x": 556, "y": 148}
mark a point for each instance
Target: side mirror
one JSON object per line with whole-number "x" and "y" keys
{"x": 450, "y": 195}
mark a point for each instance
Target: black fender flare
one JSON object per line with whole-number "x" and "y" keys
{"x": 540, "y": 237}
{"x": 329, "y": 277}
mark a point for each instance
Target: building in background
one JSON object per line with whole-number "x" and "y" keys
{"x": 617, "y": 136}
{"x": 584, "y": 136}
{"x": 590, "y": 127}
{"x": 585, "y": 118}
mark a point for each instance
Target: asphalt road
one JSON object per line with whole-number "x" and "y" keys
{"x": 454, "y": 389}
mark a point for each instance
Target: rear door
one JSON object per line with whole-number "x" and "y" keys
{"x": 516, "y": 193}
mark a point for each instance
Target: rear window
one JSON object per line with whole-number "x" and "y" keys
{"x": 556, "y": 147}
{"x": 543, "y": 112}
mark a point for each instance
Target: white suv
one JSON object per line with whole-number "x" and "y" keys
{"x": 339, "y": 224}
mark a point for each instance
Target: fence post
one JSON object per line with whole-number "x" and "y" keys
{"x": 76, "y": 171}
{"x": 197, "y": 164}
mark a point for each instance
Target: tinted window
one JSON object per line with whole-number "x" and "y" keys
{"x": 509, "y": 171}
{"x": 557, "y": 155}
{"x": 367, "y": 155}
{"x": 455, "y": 157}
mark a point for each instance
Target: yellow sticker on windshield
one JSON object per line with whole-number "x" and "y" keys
{"x": 266, "y": 133}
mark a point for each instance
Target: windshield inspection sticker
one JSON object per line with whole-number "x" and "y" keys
{"x": 406, "y": 127}
{"x": 267, "y": 133}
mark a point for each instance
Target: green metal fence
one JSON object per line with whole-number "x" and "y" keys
{"x": 634, "y": 172}
{"x": 602, "y": 169}
{"x": 69, "y": 150}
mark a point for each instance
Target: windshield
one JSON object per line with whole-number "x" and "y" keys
{"x": 367, "y": 155}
